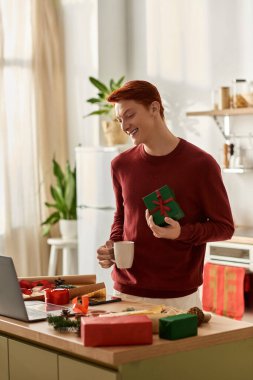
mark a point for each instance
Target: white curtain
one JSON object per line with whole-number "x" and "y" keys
{"x": 26, "y": 147}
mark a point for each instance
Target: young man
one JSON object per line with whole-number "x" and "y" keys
{"x": 168, "y": 261}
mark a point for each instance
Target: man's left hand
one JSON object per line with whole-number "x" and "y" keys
{"x": 172, "y": 231}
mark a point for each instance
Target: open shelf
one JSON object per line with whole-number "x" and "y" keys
{"x": 236, "y": 170}
{"x": 227, "y": 112}
{"x": 224, "y": 127}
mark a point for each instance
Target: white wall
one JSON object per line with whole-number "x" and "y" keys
{"x": 80, "y": 20}
{"x": 187, "y": 48}
{"x": 95, "y": 41}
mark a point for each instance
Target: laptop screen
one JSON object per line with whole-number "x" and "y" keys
{"x": 11, "y": 299}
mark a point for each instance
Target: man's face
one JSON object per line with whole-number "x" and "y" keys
{"x": 136, "y": 120}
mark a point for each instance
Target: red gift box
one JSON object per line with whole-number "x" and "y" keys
{"x": 116, "y": 331}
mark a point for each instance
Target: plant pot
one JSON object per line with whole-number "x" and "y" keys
{"x": 113, "y": 133}
{"x": 68, "y": 229}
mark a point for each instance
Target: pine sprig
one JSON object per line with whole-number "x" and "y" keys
{"x": 60, "y": 283}
{"x": 63, "y": 323}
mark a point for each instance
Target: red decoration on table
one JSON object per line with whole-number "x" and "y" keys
{"x": 161, "y": 204}
{"x": 223, "y": 290}
{"x": 26, "y": 291}
{"x": 57, "y": 296}
{"x": 27, "y": 286}
{"x": 80, "y": 308}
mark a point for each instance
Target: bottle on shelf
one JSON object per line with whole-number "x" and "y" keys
{"x": 226, "y": 156}
{"x": 238, "y": 157}
{"x": 224, "y": 98}
{"x": 232, "y": 155}
{"x": 240, "y": 89}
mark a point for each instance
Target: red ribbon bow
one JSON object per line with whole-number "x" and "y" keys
{"x": 161, "y": 204}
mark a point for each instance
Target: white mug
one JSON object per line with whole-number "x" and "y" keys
{"x": 124, "y": 254}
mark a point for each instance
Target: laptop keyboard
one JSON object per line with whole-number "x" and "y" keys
{"x": 35, "y": 314}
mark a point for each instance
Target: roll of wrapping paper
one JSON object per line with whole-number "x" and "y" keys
{"x": 93, "y": 290}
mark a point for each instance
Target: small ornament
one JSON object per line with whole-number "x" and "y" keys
{"x": 200, "y": 315}
{"x": 65, "y": 313}
{"x": 58, "y": 282}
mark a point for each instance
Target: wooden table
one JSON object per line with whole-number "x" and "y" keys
{"x": 222, "y": 350}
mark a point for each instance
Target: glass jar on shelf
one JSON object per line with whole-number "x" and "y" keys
{"x": 240, "y": 90}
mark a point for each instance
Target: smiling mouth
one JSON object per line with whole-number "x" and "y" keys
{"x": 133, "y": 132}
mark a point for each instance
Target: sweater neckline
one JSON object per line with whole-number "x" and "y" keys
{"x": 157, "y": 159}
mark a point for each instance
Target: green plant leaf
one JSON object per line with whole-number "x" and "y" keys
{"x": 99, "y": 112}
{"x": 46, "y": 229}
{"x": 112, "y": 85}
{"x": 120, "y": 81}
{"x": 56, "y": 194}
{"x": 100, "y": 86}
{"x": 104, "y": 92}
{"x": 52, "y": 219}
{"x": 58, "y": 173}
{"x": 59, "y": 200}
{"x": 93, "y": 100}
{"x": 53, "y": 205}
{"x": 64, "y": 196}
{"x": 70, "y": 189}
{"x": 102, "y": 96}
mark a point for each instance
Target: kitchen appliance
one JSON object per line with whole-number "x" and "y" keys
{"x": 95, "y": 207}
{"x": 229, "y": 253}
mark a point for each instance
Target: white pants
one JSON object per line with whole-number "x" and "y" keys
{"x": 182, "y": 303}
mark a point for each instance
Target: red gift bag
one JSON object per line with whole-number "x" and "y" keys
{"x": 223, "y": 290}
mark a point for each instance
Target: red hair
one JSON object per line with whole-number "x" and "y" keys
{"x": 138, "y": 90}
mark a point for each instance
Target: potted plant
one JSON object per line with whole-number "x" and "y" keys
{"x": 111, "y": 127}
{"x": 64, "y": 202}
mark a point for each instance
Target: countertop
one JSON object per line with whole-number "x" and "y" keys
{"x": 218, "y": 330}
{"x": 243, "y": 235}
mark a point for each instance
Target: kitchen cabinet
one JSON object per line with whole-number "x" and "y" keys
{"x": 225, "y": 128}
{"x": 4, "y": 370}
{"x": 27, "y": 361}
{"x": 222, "y": 349}
{"x": 72, "y": 369}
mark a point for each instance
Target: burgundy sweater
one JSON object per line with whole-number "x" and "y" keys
{"x": 165, "y": 268}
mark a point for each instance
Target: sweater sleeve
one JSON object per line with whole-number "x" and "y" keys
{"x": 218, "y": 222}
{"x": 118, "y": 222}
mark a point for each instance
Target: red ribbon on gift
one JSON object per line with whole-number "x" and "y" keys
{"x": 161, "y": 204}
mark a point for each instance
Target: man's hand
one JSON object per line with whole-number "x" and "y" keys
{"x": 105, "y": 255}
{"x": 172, "y": 231}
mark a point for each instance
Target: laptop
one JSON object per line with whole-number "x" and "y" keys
{"x": 12, "y": 304}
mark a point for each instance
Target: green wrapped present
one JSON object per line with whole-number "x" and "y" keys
{"x": 178, "y": 326}
{"x": 162, "y": 203}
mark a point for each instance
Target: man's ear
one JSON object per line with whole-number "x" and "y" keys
{"x": 155, "y": 107}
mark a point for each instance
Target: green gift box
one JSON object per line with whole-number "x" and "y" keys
{"x": 162, "y": 203}
{"x": 178, "y": 326}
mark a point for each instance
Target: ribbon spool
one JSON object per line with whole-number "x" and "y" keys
{"x": 57, "y": 296}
